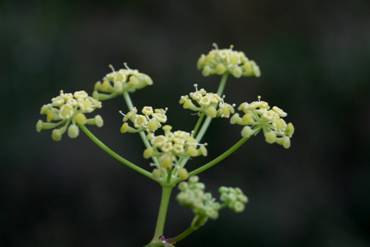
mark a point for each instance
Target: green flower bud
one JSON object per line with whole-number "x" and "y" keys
{"x": 148, "y": 153}
{"x": 236, "y": 119}
{"x": 247, "y": 132}
{"x": 289, "y": 131}
{"x": 39, "y": 126}
{"x": 203, "y": 150}
{"x": 207, "y": 71}
{"x": 99, "y": 122}
{"x": 56, "y": 135}
{"x": 165, "y": 161}
{"x": 211, "y": 111}
{"x": 73, "y": 131}
{"x": 80, "y": 118}
{"x": 124, "y": 128}
{"x": 236, "y": 72}
{"x": 192, "y": 152}
{"x": 183, "y": 173}
{"x": 270, "y": 136}
{"x": 220, "y": 69}
{"x": 157, "y": 173}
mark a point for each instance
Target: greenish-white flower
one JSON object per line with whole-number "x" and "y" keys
{"x": 66, "y": 111}
{"x": 257, "y": 116}
{"x": 118, "y": 82}
{"x": 150, "y": 121}
{"x": 211, "y": 104}
{"x": 233, "y": 198}
{"x": 193, "y": 196}
{"x": 221, "y": 61}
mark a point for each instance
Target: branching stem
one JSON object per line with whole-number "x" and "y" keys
{"x": 114, "y": 155}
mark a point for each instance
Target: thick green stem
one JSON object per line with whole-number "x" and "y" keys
{"x": 219, "y": 158}
{"x": 114, "y": 155}
{"x": 162, "y": 215}
{"x": 130, "y": 106}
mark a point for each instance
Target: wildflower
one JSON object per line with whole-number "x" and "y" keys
{"x": 258, "y": 116}
{"x": 150, "y": 121}
{"x": 233, "y": 198}
{"x": 221, "y": 61}
{"x": 192, "y": 195}
{"x": 211, "y": 104}
{"x": 117, "y": 82}
{"x": 66, "y": 112}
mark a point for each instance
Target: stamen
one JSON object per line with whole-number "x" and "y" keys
{"x": 111, "y": 67}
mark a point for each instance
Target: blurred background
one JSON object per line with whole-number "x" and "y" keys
{"x": 315, "y": 62}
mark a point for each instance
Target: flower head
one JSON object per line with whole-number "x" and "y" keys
{"x": 210, "y": 104}
{"x": 192, "y": 195}
{"x": 118, "y": 82}
{"x": 150, "y": 120}
{"x": 221, "y": 61}
{"x": 257, "y": 116}
{"x": 233, "y": 198}
{"x": 171, "y": 146}
{"x": 66, "y": 111}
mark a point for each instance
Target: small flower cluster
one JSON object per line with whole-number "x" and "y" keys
{"x": 117, "y": 82}
{"x": 150, "y": 121}
{"x": 221, "y": 61}
{"x": 258, "y": 115}
{"x": 171, "y": 147}
{"x": 192, "y": 195}
{"x": 233, "y": 198}
{"x": 67, "y": 111}
{"x": 211, "y": 104}
{"x": 203, "y": 204}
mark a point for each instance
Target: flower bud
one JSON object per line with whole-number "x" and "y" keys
{"x": 183, "y": 173}
{"x": 124, "y": 128}
{"x": 165, "y": 161}
{"x": 270, "y": 136}
{"x": 148, "y": 153}
{"x": 289, "y": 131}
{"x": 56, "y": 135}
{"x": 247, "y": 132}
{"x": 73, "y": 131}
{"x": 236, "y": 72}
{"x": 235, "y": 119}
{"x": 220, "y": 69}
{"x": 211, "y": 111}
{"x": 39, "y": 126}
{"x": 80, "y": 118}
{"x": 99, "y": 122}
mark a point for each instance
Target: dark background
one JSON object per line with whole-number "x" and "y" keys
{"x": 315, "y": 62}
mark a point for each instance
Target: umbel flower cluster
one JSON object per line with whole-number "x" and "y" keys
{"x": 169, "y": 147}
{"x": 221, "y": 61}
{"x": 117, "y": 82}
{"x": 210, "y": 104}
{"x": 257, "y": 116}
{"x": 204, "y": 205}
{"x": 168, "y": 150}
{"x": 67, "y": 111}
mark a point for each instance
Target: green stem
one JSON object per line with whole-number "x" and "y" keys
{"x": 198, "y": 124}
{"x": 182, "y": 235}
{"x": 219, "y": 158}
{"x": 113, "y": 154}
{"x": 130, "y": 106}
{"x": 162, "y": 214}
{"x": 208, "y": 120}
